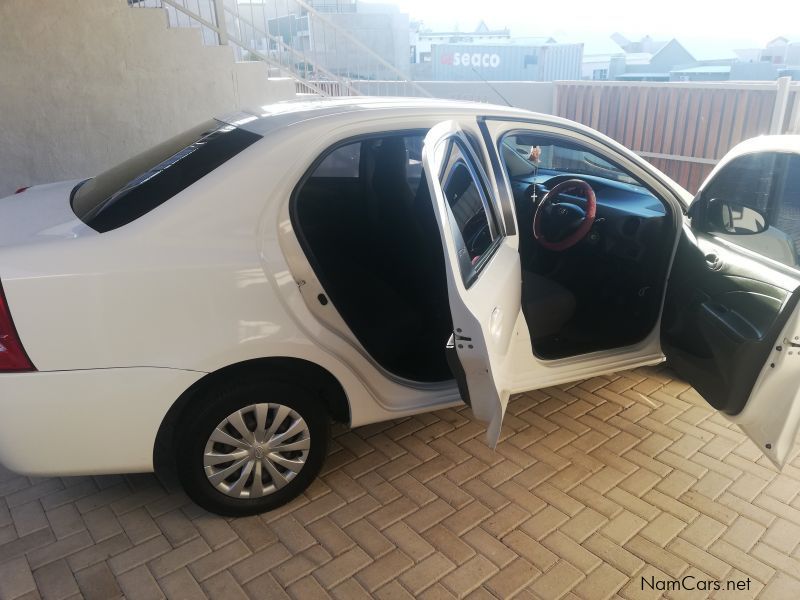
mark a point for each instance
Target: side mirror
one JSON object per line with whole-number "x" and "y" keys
{"x": 732, "y": 218}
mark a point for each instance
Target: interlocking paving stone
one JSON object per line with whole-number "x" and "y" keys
{"x": 593, "y": 486}
{"x": 16, "y": 578}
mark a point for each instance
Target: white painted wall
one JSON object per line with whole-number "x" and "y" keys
{"x": 85, "y": 84}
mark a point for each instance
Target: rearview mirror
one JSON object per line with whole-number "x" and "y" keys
{"x": 732, "y": 218}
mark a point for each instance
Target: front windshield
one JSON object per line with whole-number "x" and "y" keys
{"x": 543, "y": 156}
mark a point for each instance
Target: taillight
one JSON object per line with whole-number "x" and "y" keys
{"x": 22, "y": 189}
{"x": 12, "y": 355}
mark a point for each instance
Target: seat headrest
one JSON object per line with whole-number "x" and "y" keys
{"x": 391, "y": 162}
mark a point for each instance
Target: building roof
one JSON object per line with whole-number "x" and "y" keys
{"x": 643, "y": 44}
{"x": 708, "y": 54}
{"x": 778, "y": 40}
{"x": 638, "y": 58}
{"x": 705, "y": 69}
{"x": 481, "y": 29}
{"x": 643, "y": 75}
{"x": 673, "y": 43}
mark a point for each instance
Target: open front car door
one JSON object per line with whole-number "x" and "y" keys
{"x": 731, "y": 323}
{"x": 483, "y": 273}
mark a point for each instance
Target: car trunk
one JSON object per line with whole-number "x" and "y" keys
{"x": 39, "y": 214}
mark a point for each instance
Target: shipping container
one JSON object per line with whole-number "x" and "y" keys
{"x": 506, "y": 62}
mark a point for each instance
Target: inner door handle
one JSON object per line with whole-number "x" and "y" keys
{"x": 713, "y": 261}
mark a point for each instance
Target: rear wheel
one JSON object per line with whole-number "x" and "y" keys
{"x": 252, "y": 446}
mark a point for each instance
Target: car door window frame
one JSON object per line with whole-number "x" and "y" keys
{"x": 471, "y": 272}
{"x": 700, "y": 213}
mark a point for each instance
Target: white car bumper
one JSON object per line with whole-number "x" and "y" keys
{"x": 85, "y": 422}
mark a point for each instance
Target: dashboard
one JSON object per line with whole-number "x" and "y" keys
{"x": 627, "y": 215}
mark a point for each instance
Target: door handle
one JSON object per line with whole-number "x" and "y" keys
{"x": 713, "y": 261}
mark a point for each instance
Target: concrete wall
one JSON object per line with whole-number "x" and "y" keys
{"x": 531, "y": 95}
{"x": 88, "y": 83}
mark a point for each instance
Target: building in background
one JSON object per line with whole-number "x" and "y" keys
{"x": 652, "y": 60}
{"x": 381, "y": 28}
{"x": 422, "y": 40}
{"x": 782, "y": 54}
{"x": 667, "y": 57}
{"x": 781, "y": 51}
{"x": 332, "y": 6}
{"x": 603, "y": 59}
{"x": 737, "y": 71}
{"x": 345, "y": 38}
{"x": 646, "y": 59}
{"x": 527, "y": 60}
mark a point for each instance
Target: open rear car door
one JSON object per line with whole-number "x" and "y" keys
{"x": 483, "y": 273}
{"x": 731, "y": 323}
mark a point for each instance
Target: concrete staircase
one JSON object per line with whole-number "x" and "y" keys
{"x": 254, "y": 82}
{"x": 294, "y": 39}
{"x": 88, "y": 84}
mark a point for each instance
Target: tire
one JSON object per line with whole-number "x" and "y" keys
{"x": 229, "y": 487}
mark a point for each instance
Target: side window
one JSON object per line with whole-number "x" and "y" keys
{"x": 786, "y": 215}
{"x": 342, "y": 162}
{"x": 745, "y": 183}
{"x": 753, "y": 202}
{"x": 472, "y": 220}
{"x": 345, "y": 162}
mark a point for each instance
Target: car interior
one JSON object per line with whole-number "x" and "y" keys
{"x": 590, "y": 281}
{"x": 364, "y": 217}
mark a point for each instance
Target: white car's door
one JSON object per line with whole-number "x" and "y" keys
{"x": 483, "y": 273}
{"x": 731, "y": 323}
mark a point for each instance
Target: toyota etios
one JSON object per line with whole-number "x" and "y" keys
{"x": 216, "y": 301}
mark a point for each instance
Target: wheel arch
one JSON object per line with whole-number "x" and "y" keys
{"x": 309, "y": 375}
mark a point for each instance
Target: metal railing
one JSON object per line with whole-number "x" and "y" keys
{"x": 296, "y": 40}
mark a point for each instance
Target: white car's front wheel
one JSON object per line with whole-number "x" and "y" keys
{"x": 251, "y": 446}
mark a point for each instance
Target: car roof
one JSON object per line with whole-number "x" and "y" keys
{"x": 767, "y": 143}
{"x": 262, "y": 120}
{"x": 762, "y": 143}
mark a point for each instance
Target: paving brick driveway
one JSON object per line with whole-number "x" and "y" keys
{"x": 592, "y": 487}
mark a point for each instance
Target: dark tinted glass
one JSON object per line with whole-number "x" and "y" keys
{"x": 746, "y": 181}
{"x": 786, "y": 215}
{"x": 467, "y": 202}
{"x": 342, "y": 162}
{"x": 140, "y": 184}
{"x": 755, "y": 200}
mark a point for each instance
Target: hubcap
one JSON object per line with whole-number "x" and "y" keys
{"x": 256, "y": 450}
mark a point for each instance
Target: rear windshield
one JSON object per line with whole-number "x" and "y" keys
{"x": 140, "y": 184}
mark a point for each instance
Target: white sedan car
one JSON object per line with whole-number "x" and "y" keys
{"x": 212, "y": 304}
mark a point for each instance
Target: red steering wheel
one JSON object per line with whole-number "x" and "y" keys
{"x": 560, "y": 225}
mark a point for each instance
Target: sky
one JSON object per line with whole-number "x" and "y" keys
{"x": 707, "y": 22}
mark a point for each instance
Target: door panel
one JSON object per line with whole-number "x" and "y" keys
{"x": 731, "y": 324}
{"x": 483, "y": 274}
{"x": 725, "y": 308}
